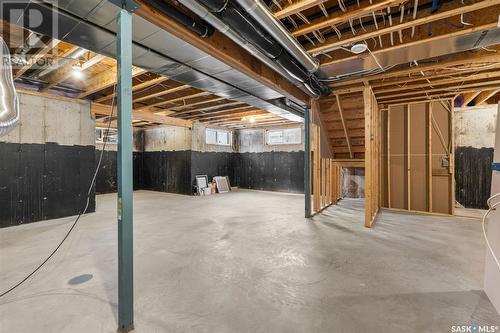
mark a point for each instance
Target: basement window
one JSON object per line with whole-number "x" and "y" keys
{"x": 217, "y": 137}
{"x": 110, "y": 136}
{"x": 286, "y": 136}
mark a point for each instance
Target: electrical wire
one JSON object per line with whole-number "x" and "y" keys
{"x": 483, "y": 223}
{"x": 79, "y": 214}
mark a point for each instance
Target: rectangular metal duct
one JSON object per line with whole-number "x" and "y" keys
{"x": 417, "y": 52}
{"x": 91, "y": 24}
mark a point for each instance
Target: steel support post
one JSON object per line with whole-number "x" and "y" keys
{"x": 125, "y": 174}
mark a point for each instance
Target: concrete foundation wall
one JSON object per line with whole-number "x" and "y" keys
{"x": 62, "y": 121}
{"x": 474, "y": 140}
{"x": 168, "y": 138}
{"x": 47, "y": 161}
{"x": 475, "y": 126}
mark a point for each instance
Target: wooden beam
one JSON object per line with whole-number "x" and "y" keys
{"x": 216, "y": 109}
{"x": 436, "y": 63}
{"x": 365, "y": 7}
{"x": 64, "y": 72}
{"x": 484, "y": 96}
{"x": 485, "y": 20}
{"x": 297, "y": 8}
{"x": 447, "y": 82}
{"x": 34, "y": 58}
{"x": 105, "y": 80}
{"x": 161, "y": 93}
{"x": 459, "y": 88}
{"x": 337, "y": 97}
{"x": 142, "y": 115}
{"x": 447, "y": 10}
{"x": 231, "y": 115}
{"x": 224, "y": 49}
{"x": 173, "y": 100}
{"x": 178, "y": 109}
{"x": 274, "y": 124}
{"x": 441, "y": 74}
{"x": 468, "y": 97}
{"x": 136, "y": 87}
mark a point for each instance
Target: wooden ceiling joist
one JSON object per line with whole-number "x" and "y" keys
{"x": 354, "y": 11}
{"x": 447, "y": 61}
{"x": 484, "y": 96}
{"x": 458, "y": 88}
{"x": 161, "y": 93}
{"x": 172, "y": 100}
{"x": 105, "y": 80}
{"x": 65, "y": 72}
{"x": 463, "y": 73}
{"x": 447, "y": 82}
{"x": 179, "y": 109}
{"x": 103, "y": 109}
{"x": 488, "y": 18}
{"x": 469, "y": 97}
{"x": 337, "y": 97}
{"x": 231, "y": 115}
{"x": 447, "y": 10}
{"x": 34, "y": 58}
{"x": 297, "y": 7}
{"x": 225, "y": 50}
{"x": 222, "y": 109}
{"x": 137, "y": 87}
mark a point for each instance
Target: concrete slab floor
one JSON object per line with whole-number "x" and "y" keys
{"x": 247, "y": 261}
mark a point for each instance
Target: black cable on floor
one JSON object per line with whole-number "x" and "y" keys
{"x": 79, "y": 214}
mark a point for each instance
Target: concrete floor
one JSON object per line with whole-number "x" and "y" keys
{"x": 247, "y": 261}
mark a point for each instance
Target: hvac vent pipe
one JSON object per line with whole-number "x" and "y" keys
{"x": 9, "y": 101}
{"x": 204, "y": 14}
{"x": 259, "y": 11}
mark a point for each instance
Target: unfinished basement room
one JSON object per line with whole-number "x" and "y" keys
{"x": 237, "y": 166}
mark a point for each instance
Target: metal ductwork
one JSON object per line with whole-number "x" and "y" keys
{"x": 202, "y": 30}
{"x": 231, "y": 19}
{"x": 91, "y": 24}
{"x": 260, "y": 13}
{"x": 9, "y": 100}
{"x": 204, "y": 14}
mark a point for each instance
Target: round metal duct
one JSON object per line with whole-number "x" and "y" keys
{"x": 9, "y": 100}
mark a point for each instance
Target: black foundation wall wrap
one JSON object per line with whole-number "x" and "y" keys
{"x": 106, "y": 181}
{"x": 473, "y": 176}
{"x": 167, "y": 171}
{"x": 175, "y": 171}
{"x": 270, "y": 171}
{"x": 43, "y": 181}
{"x": 212, "y": 164}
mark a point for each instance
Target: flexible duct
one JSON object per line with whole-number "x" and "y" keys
{"x": 9, "y": 101}
{"x": 214, "y": 21}
{"x": 236, "y": 19}
{"x": 201, "y": 29}
{"x": 260, "y": 13}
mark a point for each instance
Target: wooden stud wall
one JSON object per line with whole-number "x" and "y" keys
{"x": 372, "y": 154}
{"x": 417, "y": 157}
{"x": 326, "y": 176}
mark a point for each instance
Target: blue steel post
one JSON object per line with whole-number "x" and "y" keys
{"x": 125, "y": 174}
{"x": 307, "y": 164}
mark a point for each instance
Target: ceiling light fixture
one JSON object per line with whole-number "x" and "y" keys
{"x": 77, "y": 70}
{"x": 359, "y": 48}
